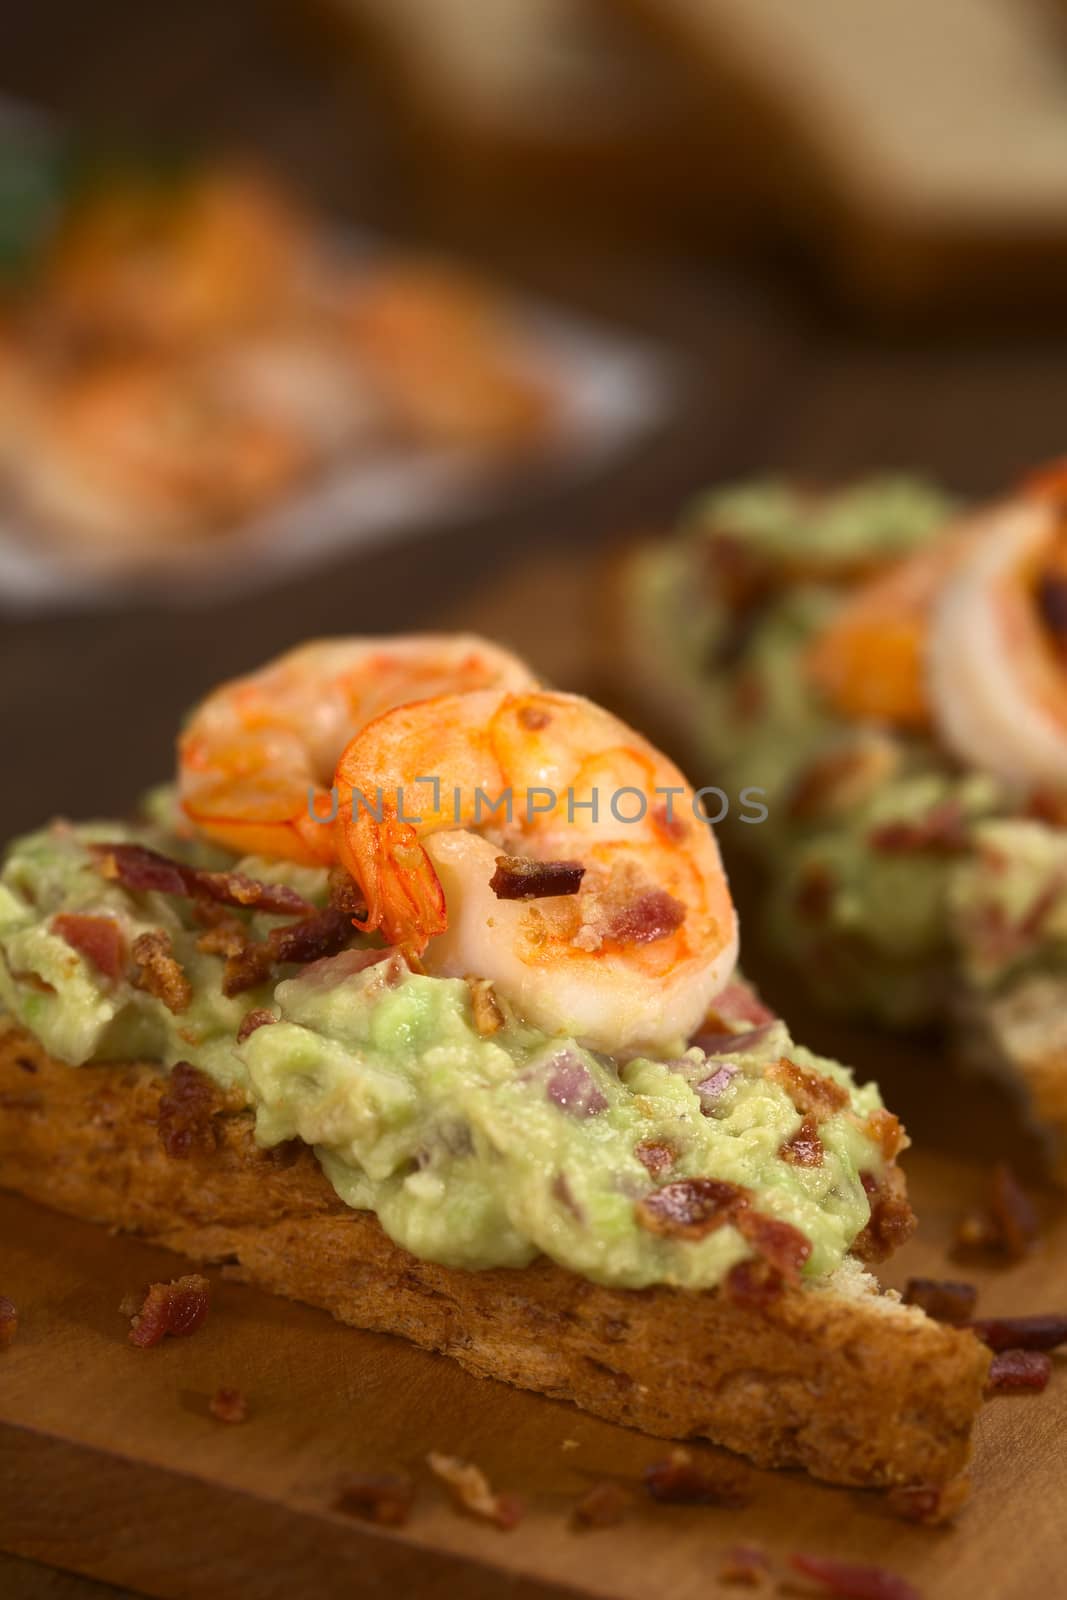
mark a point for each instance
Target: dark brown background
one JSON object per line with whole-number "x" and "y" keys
{"x": 89, "y": 704}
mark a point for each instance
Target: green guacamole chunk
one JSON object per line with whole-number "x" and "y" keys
{"x": 474, "y": 1150}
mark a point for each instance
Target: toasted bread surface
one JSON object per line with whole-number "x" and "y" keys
{"x": 840, "y": 1380}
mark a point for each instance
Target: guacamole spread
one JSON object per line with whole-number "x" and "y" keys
{"x": 876, "y": 842}
{"x": 477, "y": 1143}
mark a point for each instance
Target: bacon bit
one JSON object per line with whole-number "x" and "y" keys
{"x": 247, "y": 968}
{"x": 520, "y": 878}
{"x": 9, "y": 1321}
{"x": 887, "y": 1132}
{"x": 851, "y": 1582}
{"x": 805, "y": 1148}
{"x": 690, "y": 1208}
{"x": 603, "y": 1505}
{"x": 185, "y": 1113}
{"x": 175, "y": 1309}
{"x": 346, "y": 895}
{"x": 655, "y": 1158}
{"x": 744, "y": 1564}
{"x": 942, "y": 1298}
{"x": 738, "y": 1002}
{"x": 225, "y": 937}
{"x": 651, "y": 916}
{"x": 1013, "y": 1371}
{"x": 929, "y": 1503}
{"x": 777, "y": 1243}
{"x": 812, "y": 1093}
{"x": 834, "y": 779}
{"x": 385, "y": 1500}
{"x": 324, "y": 933}
{"x": 754, "y": 1285}
{"x": 485, "y": 1007}
{"x": 892, "y": 1221}
{"x": 136, "y": 867}
{"x": 1008, "y": 1227}
{"x": 98, "y": 939}
{"x": 814, "y": 892}
{"x": 228, "y": 1405}
{"x": 470, "y": 1491}
{"x": 682, "y": 1481}
{"x": 943, "y": 831}
{"x": 259, "y": 1018}
{"x": 158, "y": 973}
{"x": 1021, "y": 1333}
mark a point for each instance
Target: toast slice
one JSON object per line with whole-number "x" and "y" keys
{"x": 840, "y": 1379}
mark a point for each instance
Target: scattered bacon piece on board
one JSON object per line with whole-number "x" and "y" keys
{"x": 173, "y": 1309}
{"x": 99, "y": 939}
{"x": 744, "y": 1565}
{"x": 1015, "y": 1371}
{"x": 9, "y": 1321}
{"x": 603, "y": 1505}
{"x": 1007, "y": 1226}
{"x": 384, "y": 1499}
{"x": 929, "y": 1503}
{"x": 680, "y": 1479}
{"x": 228, "y": 1405}
{"x": 470, "y": 1490}
{"x": 1045, "y": 1332}
{"x": 941, "y": 1298}
{"x": 849, "y": 1581}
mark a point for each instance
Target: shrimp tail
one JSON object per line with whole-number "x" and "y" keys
{"x": 405, "y": 900}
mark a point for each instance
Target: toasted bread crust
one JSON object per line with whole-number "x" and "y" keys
{"x": 849, "y": 1385}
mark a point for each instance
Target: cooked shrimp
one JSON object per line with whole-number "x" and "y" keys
{"x": 871, "y": 659}
{"x": 632, "y": 959}
{"x": 139, "y": 452}
{"x": 163, "y": 263}
{"x": 446, "y": 357}
{"x": 998, "y": 647}
{"x": 257, "y": 756}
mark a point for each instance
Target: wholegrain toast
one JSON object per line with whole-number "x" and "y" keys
{"x": 841, "y": 1379}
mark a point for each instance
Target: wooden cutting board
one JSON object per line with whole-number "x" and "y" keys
{"x": 111, "y": 1465}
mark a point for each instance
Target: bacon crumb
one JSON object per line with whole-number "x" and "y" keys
{"x": 521, "y": 878}
{"x": 651, "y": 916}
{"x": 690, "y": 1208}
{"x": 942, "y": 1299}
{"x": 386, "y": 1500}
{"x": 229, "y": 1405}
{"x": 157, "y": 971}
{"x": 259, "y": 1018}
{"x": 1008, "y": 1225}
{"x": 98, "y": 939}
{"x": 1013, "y": 1371}
{"x": 485, "y": 1007}
{"x": 942, "y": 831}
{"x": 849, "y": 1581}
{"x": 754, "y": 1285}
{"x": 779, "y": 1244}
{"x": 9, "y": 1321}
{"x": 603, "y": 1505}
{"x": 814, "y": 892}
{"x": 186, "y": 1110}
{"x": 805, "y": 1148}
{"x": 745, "y": 1565}
{"x": 138, "y": 868}
{"x": 812, "y": 1093}
{"x": 891, "y": 1222}
{"x": 175, "y": 1309}
{"x": 681, "y": 1480}
{"x": 656, "y": 1158}
{"x": 346, "y": 895}
{"x": 929, "y": 1503}
{"x": 1046, "y": 1332}
{"x": 470, "y": 1490}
